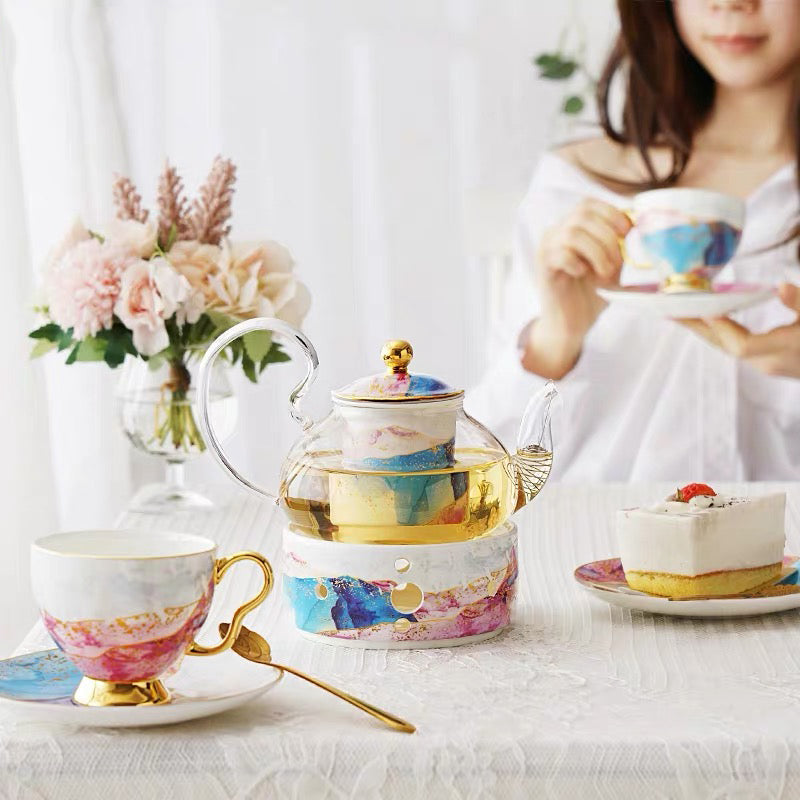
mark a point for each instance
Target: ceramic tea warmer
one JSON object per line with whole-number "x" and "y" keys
{"x": 397, "y": 504}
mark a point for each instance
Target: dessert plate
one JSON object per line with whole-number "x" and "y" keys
{"x": 606, "y": 580}
{"x": 726, "y": 298}
{"x": 38, "y": 686}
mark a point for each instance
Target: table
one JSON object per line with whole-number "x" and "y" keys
{"x": 578, "y": 699}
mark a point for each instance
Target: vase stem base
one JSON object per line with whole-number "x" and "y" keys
{"x": 161, "y": 498}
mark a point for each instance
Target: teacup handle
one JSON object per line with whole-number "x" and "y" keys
{"x": 220, "y": 568}
{"x": 623, "y": 245}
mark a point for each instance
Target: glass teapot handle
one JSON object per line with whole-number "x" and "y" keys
{"x": 291, "y": 336}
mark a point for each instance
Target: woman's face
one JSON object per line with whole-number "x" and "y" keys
{"x": 744, "y": 44}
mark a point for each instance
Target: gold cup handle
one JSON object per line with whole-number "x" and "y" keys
{"x": 623, "y": 246}
{"x": 220, "y": 568}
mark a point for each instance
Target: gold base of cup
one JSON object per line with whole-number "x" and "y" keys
{"x": 686, "y": 282}
{"x": 92, "y": 692}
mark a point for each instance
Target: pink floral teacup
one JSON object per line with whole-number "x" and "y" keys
{"x": 124, "y": 606}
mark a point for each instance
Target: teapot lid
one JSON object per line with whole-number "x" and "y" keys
{"x": 397, "y": 383}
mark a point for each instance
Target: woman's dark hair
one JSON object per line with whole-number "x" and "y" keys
{"x": 668, "y": 92}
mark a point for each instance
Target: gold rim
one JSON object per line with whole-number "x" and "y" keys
{"x": 119, "y": 557}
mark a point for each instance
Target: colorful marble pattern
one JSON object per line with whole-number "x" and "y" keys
{"x": 133, "y": 648}
{"x": 348, "y": 607}
{"x": 403, "y": 500}
{"x": 398, "y": 385}
{"x": 430, "y": 456}
{"x": 47, "y": 675}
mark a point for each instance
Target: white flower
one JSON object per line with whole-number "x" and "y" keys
{"x": 138, "y": 238}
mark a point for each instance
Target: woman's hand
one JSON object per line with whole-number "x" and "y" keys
{"x": 776, "y": 352}
{"x": 574, "y": 258}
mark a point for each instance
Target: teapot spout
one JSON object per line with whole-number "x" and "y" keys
{"x": 534, "y": 456}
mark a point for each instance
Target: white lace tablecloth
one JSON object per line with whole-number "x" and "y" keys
{"x": 577, "y": 700}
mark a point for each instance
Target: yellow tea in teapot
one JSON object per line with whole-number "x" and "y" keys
{"x": 323, "y": 498}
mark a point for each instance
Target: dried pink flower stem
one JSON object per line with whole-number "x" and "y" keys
{"x": 212, "y": 210}
{"x": 172, "y": 207}
{"x": 127, "y": 200}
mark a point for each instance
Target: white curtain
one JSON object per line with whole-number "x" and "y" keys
{"x": 361, "y": 128}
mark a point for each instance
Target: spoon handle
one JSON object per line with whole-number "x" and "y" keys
{"x": 384, "y": 716}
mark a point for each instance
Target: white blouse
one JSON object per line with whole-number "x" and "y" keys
{"x": 649, "y": 400}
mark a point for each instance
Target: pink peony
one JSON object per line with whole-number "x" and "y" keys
{"x": 83, "y": 285}
{"x": 151, "y": 293}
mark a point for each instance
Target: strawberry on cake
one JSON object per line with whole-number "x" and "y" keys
{"x": 697, "y": 542}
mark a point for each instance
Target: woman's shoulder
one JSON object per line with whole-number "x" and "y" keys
{"x": 609, "y": 163}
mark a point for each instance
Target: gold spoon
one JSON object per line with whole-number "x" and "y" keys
{"x": 254, "y": 647}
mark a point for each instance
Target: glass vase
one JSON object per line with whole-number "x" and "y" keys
{"x": 156, "y": 406}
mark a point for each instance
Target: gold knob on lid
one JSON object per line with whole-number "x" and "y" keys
{"x": 397, "y": 354}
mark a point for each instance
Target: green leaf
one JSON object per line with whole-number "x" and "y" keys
{"x": 275, "y": 356}
{"x": 51, "y": 332}
{"x": 121, "y": 336}
{"x": 557, "y": 68}
{"x": 73, "y": 355}
{"x": 545, "y": 59}
{"x": 154, "y": 363}
{"x": 90, "y": 349}
{"x": 573, "y": 104}
{"x": 99, "y": 236}
{"x": 221, "y": 321}
{"x": 257, "y": 344}
{"x": 41, "y": 347}
{"x": 65, "y": 340}
{"x": 249, "y": 367}
{"x": 116, "y": 349}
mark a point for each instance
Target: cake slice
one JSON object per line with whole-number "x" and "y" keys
{"x": 700, "y": 543}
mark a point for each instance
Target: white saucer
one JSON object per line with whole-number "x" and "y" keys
{"x": 605, "y": 580}
{"x": 200, "y": 688}
{"x": 726, "y": 298}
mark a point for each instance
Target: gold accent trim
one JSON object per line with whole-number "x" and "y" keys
{"x": 397, "y": 355}
{"x": 686, "y": 282}
{"x": 99, "y": 694}
{"x": 423, "y": 398}
{"x": 220, "y": 568}
{"x": 43, "y": 549}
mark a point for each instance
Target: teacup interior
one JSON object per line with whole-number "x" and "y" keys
{"x": 124, "y": 544}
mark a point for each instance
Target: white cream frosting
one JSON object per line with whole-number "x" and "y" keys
{"x": 690, "y": 539}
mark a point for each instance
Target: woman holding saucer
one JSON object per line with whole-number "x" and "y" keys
{"x": 711, "y": 99}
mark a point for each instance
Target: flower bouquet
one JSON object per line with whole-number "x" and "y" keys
{"x": 159, "y": 290}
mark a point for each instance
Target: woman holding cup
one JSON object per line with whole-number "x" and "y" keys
{"x": 711, "y": 101}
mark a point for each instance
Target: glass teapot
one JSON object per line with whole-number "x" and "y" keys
{"x": 397, "y": 460}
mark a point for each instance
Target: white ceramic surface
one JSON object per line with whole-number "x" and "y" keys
{"x": 725, "y": 299}
{"x": 733, "y": 607}
{"x": 388, "y": 430}
{"x": 108, "y": 574}
{"x": 202, "y": 687}
{"x": 692, "y": 202}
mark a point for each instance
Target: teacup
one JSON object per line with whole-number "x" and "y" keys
{"x": 687, "y": 235}
{"x": 124, "y": 606}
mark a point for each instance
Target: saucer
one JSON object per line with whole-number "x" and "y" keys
{"x": 724, "y": 299}
{"x": 38, "y": 686}
{"x": 606, "y": 581}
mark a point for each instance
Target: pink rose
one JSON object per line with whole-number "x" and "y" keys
{"x": 151, "y": 293}
{"x": 83, "y": 285}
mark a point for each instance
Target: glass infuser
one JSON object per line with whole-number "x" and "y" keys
{"x": 397, "y": 460}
